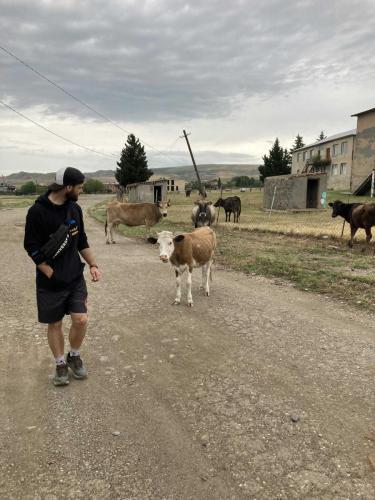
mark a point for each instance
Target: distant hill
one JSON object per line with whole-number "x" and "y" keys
{"x": 209, "y": 172}
{"x": 187, "y": 173}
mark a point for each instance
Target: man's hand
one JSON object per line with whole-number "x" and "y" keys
{"x": 46, "y": 269}
{"x": 95, "y": 273}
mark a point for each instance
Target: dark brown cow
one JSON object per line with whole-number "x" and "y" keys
{"x": 133, "y": 214}
{"x": 358, "y": 215}
{"x": 230, "y": 205}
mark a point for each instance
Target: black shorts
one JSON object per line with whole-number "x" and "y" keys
{"x": 54, "y": 304}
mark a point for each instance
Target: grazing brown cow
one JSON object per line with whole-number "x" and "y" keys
{"x": 230, "y": 205}
{"x": 358, "y": 215}
{"x": 186, "y": 251}
{"x": 133, "y": 214}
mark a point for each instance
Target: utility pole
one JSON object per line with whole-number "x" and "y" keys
{"x": 201, "y": 190}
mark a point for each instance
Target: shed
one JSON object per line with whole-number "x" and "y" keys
{"x": 147, "y": 192}
{"x": 295, "y": 192}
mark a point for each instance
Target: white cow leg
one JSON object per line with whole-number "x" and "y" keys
{"x": 189, "y": 295}
{"x": 207, "y": 276}
{"x": 203, "y": 283}
{"x": 177, "y": 300}
{"x": 113, "y": 226}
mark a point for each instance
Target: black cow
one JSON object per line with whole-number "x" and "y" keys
{"x": 358, "y": 215}
{"x": 230, "y": 205}
{"x": 203, "y": 214}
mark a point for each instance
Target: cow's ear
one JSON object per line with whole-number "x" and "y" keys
{"x": 179, "y": 238}
{"x": 209, "y": 203}
{"x": 196, "y": 202}
{"x": 152, "y": 240}
{"x": 330, "y": 204}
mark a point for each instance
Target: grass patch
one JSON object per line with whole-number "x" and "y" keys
{"x": 8, "y": 202}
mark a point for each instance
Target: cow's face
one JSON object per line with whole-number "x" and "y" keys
{"x": 337, "y": 208}
{"x": 203, "y": 214}
{"x": 163, "y": 207}
{"x": 166, "y": 245}
{"x": 219, "y": 203}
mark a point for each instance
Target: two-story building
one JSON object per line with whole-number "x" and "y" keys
{"x": 348, "y": 158}
{"x": 173, "y": 185}
{"x": 364, "y": 148}
{"x": 333, "y": 155}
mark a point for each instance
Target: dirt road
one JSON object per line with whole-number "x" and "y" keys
{"x": 184, "y": 403}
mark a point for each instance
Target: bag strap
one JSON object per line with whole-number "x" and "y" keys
{"x": 69, "y": 213}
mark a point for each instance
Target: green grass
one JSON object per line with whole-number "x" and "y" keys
{"x": 7, "y": 202}
{"x": 326, "y": 266}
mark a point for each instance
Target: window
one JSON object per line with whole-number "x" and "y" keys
{"x": 342, "y": 168}
{"x": 344, "y": 148}
{"x": 304, "y": 156}
{"x": 298, "y": 157}
{"x": 335, "y": 149}
{"x": 335, "y": 169}
{"x": 311, "y": 153}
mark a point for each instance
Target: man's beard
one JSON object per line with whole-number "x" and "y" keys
{"x": 71, "y": 196}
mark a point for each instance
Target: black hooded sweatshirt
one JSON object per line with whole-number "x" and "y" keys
{"x": 43, "y": 219}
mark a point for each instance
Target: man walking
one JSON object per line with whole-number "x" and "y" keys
{"x": 60, "y": 285}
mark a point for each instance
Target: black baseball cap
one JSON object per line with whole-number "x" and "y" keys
{"x": 67, "y": 176}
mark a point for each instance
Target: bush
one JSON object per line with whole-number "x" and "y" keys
{"x": 92, "y": 186}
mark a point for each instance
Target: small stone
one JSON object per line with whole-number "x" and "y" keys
{"x": 370, "y": 435}
{"x": 171, "y": 356}
{"x": 115, "y": 433}
{"x": 31, "y": 427}
{"x": 103, "y": 359}
{"x": 371, "y": 459}
{"x": 295, "y": 418}
{"x": 204, "y": 440}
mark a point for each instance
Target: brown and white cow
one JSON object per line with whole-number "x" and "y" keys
{"x": 186, "y": 251}
{"x": 133, "y": 214}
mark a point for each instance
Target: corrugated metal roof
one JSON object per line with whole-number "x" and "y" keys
{"x": 160, "y": 181}
{"x": 329, "y": 139}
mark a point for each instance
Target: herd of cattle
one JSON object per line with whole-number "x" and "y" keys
{"x": 196, "y": 249}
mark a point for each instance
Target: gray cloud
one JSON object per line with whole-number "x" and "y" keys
{"x": 164, "y": 60}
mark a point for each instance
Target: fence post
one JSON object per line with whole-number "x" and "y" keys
{"x": 273, "y": 199}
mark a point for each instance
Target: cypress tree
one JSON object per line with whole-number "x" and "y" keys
{"x": 278, "y": 162}
{"x": 133, "y": 166}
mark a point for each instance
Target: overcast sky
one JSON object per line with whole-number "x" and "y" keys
{"x": 235, "y": 74}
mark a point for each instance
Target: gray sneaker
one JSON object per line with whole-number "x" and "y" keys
{"x": 61, "y": 376}
{"x": 76, "y": 365}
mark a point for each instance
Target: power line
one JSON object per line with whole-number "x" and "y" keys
{"x": 104, "y": 117}
{"x": 111, "y": 155}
